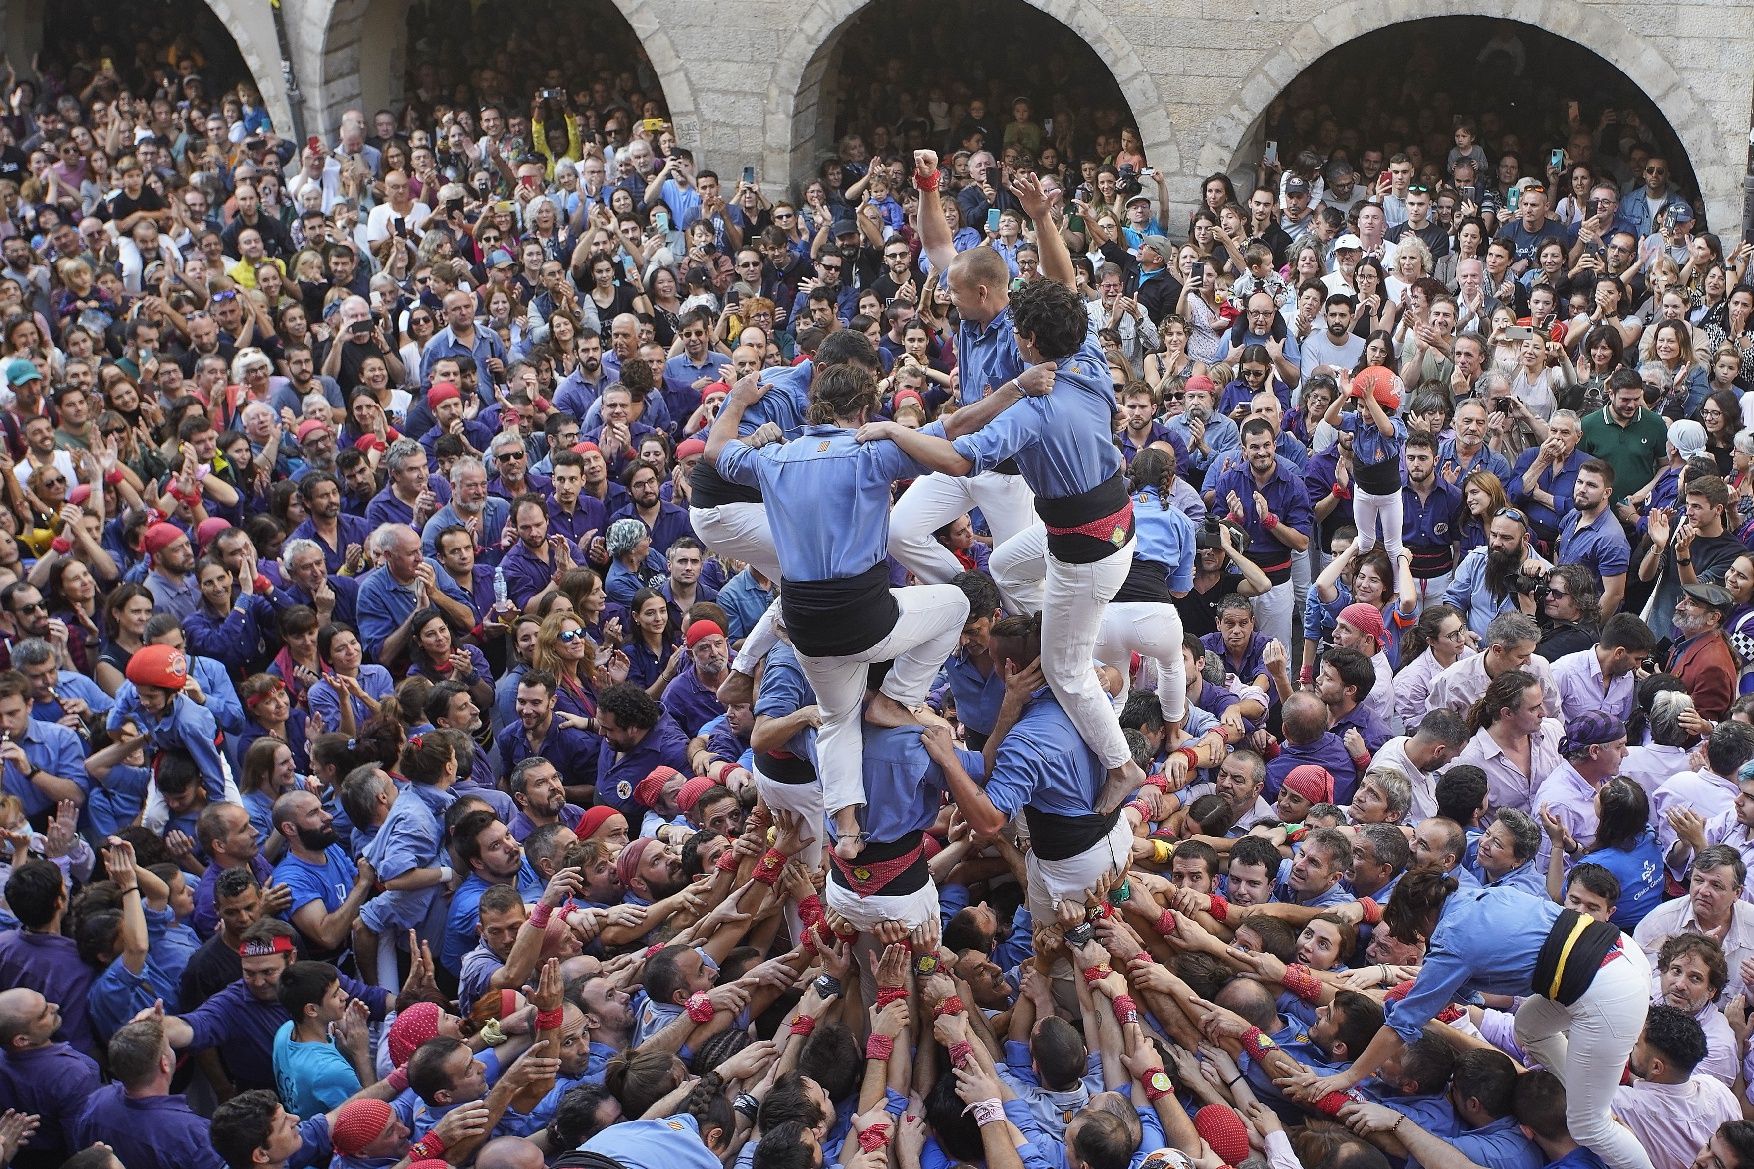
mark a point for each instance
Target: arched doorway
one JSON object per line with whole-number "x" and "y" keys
{"x": 854, "y": 67}
{"x": 149, "y": 43}
{"x": 388, "y": 53}
{"x": 1408, "y": 82}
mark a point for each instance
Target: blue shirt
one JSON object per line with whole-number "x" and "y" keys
{"x": 312, "y": 1078}
{"x": 386, "y": 508}
{"x": 1469, "y": 592}
{"x": 151, "y": 1132}
{"x": 1431, "y": 522}
{"x": 904, "y": 788}
{"x": 1639, "y": 870}
{"x": 977, "y": 695}
{"x": 842, "y": 484}
{"x": 1557, "y": 480}
{"x": 1601, "y": 545}
{"x": 1486, "y": 457}
{"x": 328, "y": 883}
{"x": 987, "y": 357}
{"x": 494, "y": 514}
{"x": 53, "y": 1082}
{"x": 55, "y": 749}
{"x": 1369, "y": 444}
{"x": 1062, "y": 442}
{"x": 1164, "y": 535}
{"x": 670, "y": 1143}
{"x": 384, "y": 603}
{"x": 1486, "y": 940}
{"x": 324, "y": 700}
{"x": 444, "y": 343}
{"x": 1044, "y": 763}
{"x": 349, "y": 529}
{"x": 465, "y": 914}
{"x": 411, "y": 837}
{"x": 744, "y": 601}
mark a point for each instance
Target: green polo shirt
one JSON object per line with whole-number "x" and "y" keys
{"x": 1633, "y": 451}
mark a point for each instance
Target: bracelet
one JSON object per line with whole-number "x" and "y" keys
{"x": 804, "y": 1025}
{"x": 1683, "y": 560}
{"x": 987, "y": 1112}
{"x": 1382, "y": 974}
{"x": 700, "y": 1008}
{"x": 554, "y": 1020}
{"x": 746, "y": 1105}
{"x": 130, "y": 889}
{"x": 1120, "y": 895}
{"x": 1233, "y": 1081}
{"x": 879, "y": 1046}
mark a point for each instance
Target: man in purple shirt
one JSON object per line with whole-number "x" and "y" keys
{"x": 1265, "y": 494}
{"x": 1344, "y": 680}
{"x": 562, "y": 738}
{"x": 1307, "y": 739}
{"x": 540, "y": 797}
{"x": 136, "y": 1116}
{"x": 38, "y": 957}
{"x": 412, "y": 493}
{"x": 692, "y": 697}
{"x": 531, "y": 564}
{"x": 228, "y": 837}
{"x": 637, "y": 737}
{"x": 666, "y": 521}
{"x": 573, "y": 513}
{"x": 40, "y": 1076}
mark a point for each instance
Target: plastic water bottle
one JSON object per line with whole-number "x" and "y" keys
{"x": 499, "y": 590}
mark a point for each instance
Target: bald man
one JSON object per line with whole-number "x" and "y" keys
{"x": 41, "y": 1076}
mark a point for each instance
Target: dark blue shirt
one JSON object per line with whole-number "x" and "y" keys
{"x": 1286, "y": 498}
{"x": 618, "y": 772}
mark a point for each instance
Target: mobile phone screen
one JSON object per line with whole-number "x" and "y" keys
{"x": 992, "y": 219}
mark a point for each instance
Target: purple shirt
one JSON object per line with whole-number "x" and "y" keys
{"x": 53, "y": 1082}
{"x": 690, "y": 702}
{"x": 205, "y": 918}
{"x": 50, "y": 965}
{"x": 385, "y": 508}
{"x": 1572, "y": 799}
{"x": 151, "y": 1132}
{"x": 1253, "y": 663}
{"x": 1286, "y": 499}
{"x": 525, "y": 575}
{"x": 618, "y": 772}
{"x": 1327, "y": 751}
{"x": 574, "y": 753}
{"x": 671, "y": 524}
{"x": 588, "y": 515}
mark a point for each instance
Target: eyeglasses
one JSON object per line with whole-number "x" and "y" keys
{"x": 32, "y": 607}
{"x": 1174, "y": 397}
{"x": 508, "y": 456}
{"x": 572, "y": 635}
{"x": 829, "y": 267}
{"x": 782, "y": 215}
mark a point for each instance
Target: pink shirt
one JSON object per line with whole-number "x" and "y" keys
{"x": 1506, "y": 784}
{"x": 1674, "y": 1121}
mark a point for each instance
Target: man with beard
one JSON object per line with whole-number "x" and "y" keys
{"x": 531, "y": 564}
{"x": 454, "y": 552}
{"x": 666, "y": 521}
{"x": 1702, "y": 657}
{"x": 327, "y": 886}
{"x": 472, "y": 507}
{"x": 586, "y": 383}
{"x": 305, "y": 580}
{"x": 572, "y": 512}
{"x": 692, "y": 697}
{"x": 1431, "y": 510}
{"x": 1591, "y": 536}
{"x": 1672, "y": 1110}
{"x": 1468, "y": 451}
{"x": 541, "y": 732}
{"x": 1693, "y": 548}
{"x": 509, "y": 467}
{"x": 1264, "y": 494}
{"x": 1626, "y": 436}
{"x": 171, "y": 580}
{"x": 1482, "y": 588}
{"x": 334, "y": 532}
{"x": 1338, "y": 346}
{"x": 683, "y": 589}
{"x": 541, "y": 798}
{"x": 640, "y": 741}
{"x": 485, "y": 846}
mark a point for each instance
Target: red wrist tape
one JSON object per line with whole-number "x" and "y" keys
{"x": 700, "y": 1008}
{"x": 961, "y": 1052}
{"x": 1159, "y": 781}
{"x": 952, "y": 1005}
{"x": 426, "y": 1148}
{"x": 1372, "y": 911}
{"x": 1166, "y": 923}
{"x": 804, "y": 1025}
{"x": 874, "y": 1138}
{"x": 718, "y": 771}
{"x": 1219, "y": 908}
{"x": 1156, "y": 1084}
{"x": 397, "y": 1080}
{"x": 767, "y": 870}
{"x": 1095, "y": 974}
{"x": 553, "y": 1020}
{"x": 1126, "y": 1010}
{"x": 927, "y": 180}
{"x": 810, "y": 910}
{"x": 727, "y": 862}
{"x": 879, "y": 1046}
{"x": 539, "y": 916}
{"x": 890, "y": 994}
{"x": 1301, "y": 981}
{"x": 61, "y": 544}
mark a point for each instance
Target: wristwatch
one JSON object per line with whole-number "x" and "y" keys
{"x": 827, "y": 986}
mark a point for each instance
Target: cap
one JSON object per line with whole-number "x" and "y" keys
{"x": 1367, "y": 619}
{"x": 500, "y": 258}
{"x": 627, "y": 864}
{"x": 1708, "y": 594}
{"x": 442, "y": 392}
{"x": 906, "y": 396}
{"x": 1590, "y": 729}
{"x": 593, "y": 820}
{"x": 309, "y": 427}
{"x": 1350, "y": 242}
{"x": 701, "y": 630}
{"x": 1296, "y": 185}
{"x": 412, "y": 1028}
{"x": 161, "y": 536}
{"x": 688, "y": 448}
{"x": 691, "y": 792}
{"x": 845, "y": 227}
{"x": 1221, "y": 1127}
{"x": 1311, "y": 781}
{"x": 208, "y": 530}
{"x": 712, "y": 388}
{"x": 624, "y": 534}
{"x": 1681, "y": 211}
{"x": 1199, "y": 383}
{"x": 359, "y": 1122}
{"x": 1139, "y": 198}
{"x": 1381, "y": 384}
{"x": 163, "y": 666}
{"x": 1159, "y": 244}
{"x": 19, "y": 371}
{"x": 647, "y": 790}
{"x": 586, "y": 447}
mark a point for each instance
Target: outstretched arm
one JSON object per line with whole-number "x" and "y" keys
{"x": 938, "y": 454}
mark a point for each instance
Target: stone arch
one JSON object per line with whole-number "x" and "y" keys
{"x": 794, "y": 133}
{"x": 1591, "y": 26}
{"x": 344, "y": 31}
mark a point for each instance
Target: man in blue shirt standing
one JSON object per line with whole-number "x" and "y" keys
{"x": 1264, "y": 493}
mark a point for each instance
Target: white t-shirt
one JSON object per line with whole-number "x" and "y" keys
{"x": 377, "y": 226}
{"x": 1319, "y": 350}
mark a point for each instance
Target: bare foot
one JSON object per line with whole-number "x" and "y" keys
{"x": 1123, "y": 781}
{"x": 737, "y": 689}
{"x": 884, "y": 711}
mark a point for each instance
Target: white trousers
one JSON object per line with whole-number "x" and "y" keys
{"x": 1152, "y": 629}
{"x": 925, "y": 634}
{"x": 1071, "y": 599}
{"x": 931, "y": 501}
{"x": 1370, "y": 510}
{"x": 1273, "y": 610}
{"x": 1587, "y": 1043}
{"x": 738, "y": 531}
{"x": 867, "y": 913}
{"x": 803, "y": 800}
{"x": 1051, "y": 882}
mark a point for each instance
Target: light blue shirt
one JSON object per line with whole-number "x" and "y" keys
{"x": 1063, "y": 441}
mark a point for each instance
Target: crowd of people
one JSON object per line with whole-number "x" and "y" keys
{"x": 523, "y": 650}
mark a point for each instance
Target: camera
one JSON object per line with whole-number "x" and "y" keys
{"x": 1208, "y": 534}
{"x": 1528, "y": 583}
{"x": 1502, "y": 405}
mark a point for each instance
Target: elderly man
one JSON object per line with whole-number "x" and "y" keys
{"x": 305, "y": 580}
{"x": 472, "y": 507}
{"x": 1543, "y": 477}
{"x": 403, "y": 583}
{"x": 412, "y": 494}
{"x": 1702, "y": 657}
{"x": 1713, "y": 906}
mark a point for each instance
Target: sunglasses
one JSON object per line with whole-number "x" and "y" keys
{"x": 1511, "y": 513}
{"x": 1418, "y": 189}
{"x": 223, "y": 296}
{"x": 572, "y": 635}
{"x": 508, "y": 456}
{"x": 1541, "y": 187}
